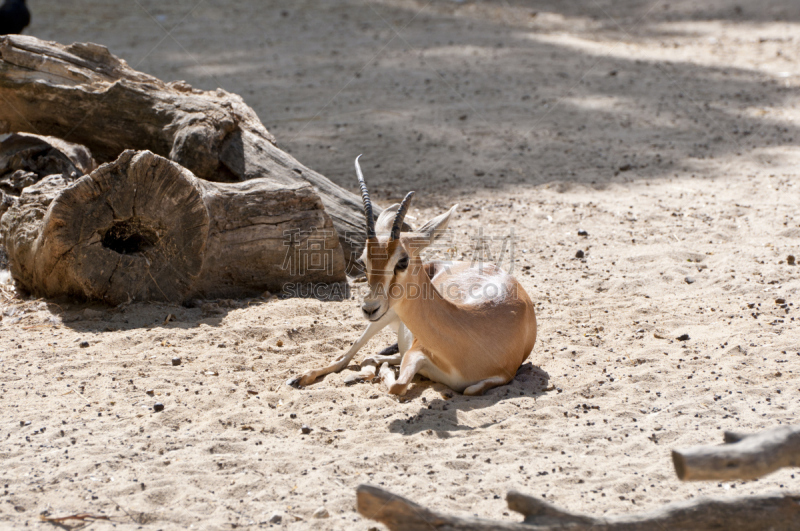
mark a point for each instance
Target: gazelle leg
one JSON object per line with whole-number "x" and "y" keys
{"x": 392, "y": 355}
{"x": 484, "y": 385}
{"x": 413, "y": 361}
{"x": 370, "y": 366}
{"x": 377, "y": 361}
{"x": 374, "y": 327}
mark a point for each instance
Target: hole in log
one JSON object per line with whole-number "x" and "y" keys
{"x": 131, "y": 236}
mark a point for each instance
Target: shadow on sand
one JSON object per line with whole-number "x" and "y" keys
{"x": 441, "y": 415}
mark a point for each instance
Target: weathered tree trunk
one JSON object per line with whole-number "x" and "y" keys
{"x": 26, "y": 159}
{"x": 753, "y": 513}
{"x": 145, "y": 228}
{"x": 744, "y": 457}
{"x": 84, "y": 94}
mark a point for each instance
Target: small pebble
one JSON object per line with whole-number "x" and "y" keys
{"x": 176, "y": 362}
{"x": 689, "y": 280}
{"x": 321, "y": 512}
{"x": 305, "y": 430}
{"x": 579, "y": 254}
{"x": 150, "y": 392}
{"x": 158, "y": 407}
{"x": 780, "y": 301}
{"x": 275, "y": 518}
{"x": 279, "y": 343}
{"x": 88, "y": 313}
{"x": 683, "y": 337}
{"x": 83, "y": 344}
{"x": 790, "y": 259}
{"x": 583, "y": 233}
{"x": 292, "y": 415}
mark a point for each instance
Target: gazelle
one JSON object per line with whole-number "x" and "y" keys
{"x": 468, "y": 327}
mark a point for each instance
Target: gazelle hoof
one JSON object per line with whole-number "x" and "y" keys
{"x": 301, "y": 381}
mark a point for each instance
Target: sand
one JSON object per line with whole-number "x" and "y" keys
{"x": 666, "y": 131}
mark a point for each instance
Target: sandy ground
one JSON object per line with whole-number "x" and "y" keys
{"x": 666, "y": 130}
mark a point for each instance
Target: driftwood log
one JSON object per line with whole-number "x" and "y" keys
{"x": 26, "y": 159}
{"x": 84, "y": 94}
{"x": 145, "y": 228}
{"x": 742, "y": 457}
{"x": 754, "y": 513}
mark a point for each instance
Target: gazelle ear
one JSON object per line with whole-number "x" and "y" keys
{"x": 434, "y": 228}
{"x": 384, "y": 223}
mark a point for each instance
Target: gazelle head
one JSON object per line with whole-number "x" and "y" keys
{"x": 391, "y": 259}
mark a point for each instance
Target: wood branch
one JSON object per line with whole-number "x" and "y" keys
{"x": 743, "y": 514}
{"x": 399, "y": 514}
{"x": 84, "y": 94}
{"x": 743, "y": 457}
{"x": 539, "y": 512}
{"x": 145, "y": 228}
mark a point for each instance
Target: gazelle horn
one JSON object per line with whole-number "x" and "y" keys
{"x": 397, "y": 225}
{"x": 367, "y": 202}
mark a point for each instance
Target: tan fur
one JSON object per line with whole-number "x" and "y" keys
{"x": 468, "y": 327}
{"x": 462, "y": 335}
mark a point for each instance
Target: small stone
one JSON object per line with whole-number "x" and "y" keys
{"x": 683, "y": 337}
{"x": 353, "y": 378}
{"x": 780, "y": 301}
{"x": 83, "y": 344}
{"x": 158, "y": 407}
{"x": 583, "y": 233}
{"x": 790, "y": 259}
{"x": 221, "y": 345}
{"x": 210, "y": 307}
{"x": 276, "y": 518}
{"x": 279, "y": 343}
{"x": 321, "y": 512}
{"x": 88, "y": 313}
{"x": 689, "y": 280}
{"x": 292, "y": 415}
{"x": 580, "y": 254}
{"x": 305, "y": 430}
{"x": 176, "y": 362}
{"x": 150, "y": 392}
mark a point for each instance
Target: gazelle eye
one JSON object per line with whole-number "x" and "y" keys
{"x": 402, "y": 264}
